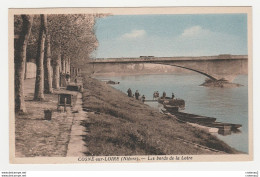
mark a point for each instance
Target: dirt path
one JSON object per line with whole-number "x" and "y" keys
{"x": 35, "y": 136}
{"x": 76, "y": 146}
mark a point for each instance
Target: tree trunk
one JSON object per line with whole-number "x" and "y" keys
{"x": 69, "y": 66}
{"x": 47, "y": 67}
{"x": 39, "y": 83}
{"x": 76, "y": 72}
{"x": 20, "y": 61}
{"x": 56, "y": 71}
{"x": 25, "y": 70}
{"x": 63, "y": 65}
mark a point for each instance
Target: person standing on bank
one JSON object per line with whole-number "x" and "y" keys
{"x": 129, "y": 92}
{"x": 137, "y": 94}
{"x": 164, "y": 95}
{"x": 143, "y": 98}
{"x": 173, "y": 96}
{"x": 68, "y": 77}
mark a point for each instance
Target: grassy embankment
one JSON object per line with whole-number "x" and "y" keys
{"x": 125, "y": 126}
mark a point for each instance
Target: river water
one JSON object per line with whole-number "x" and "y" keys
{"x": 228, "y": 105}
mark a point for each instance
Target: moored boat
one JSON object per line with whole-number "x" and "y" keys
{"x": 171, "y": 109}
{"x": 188, "y": 117}
{"x": 194, "y": 118}
{"x": 204, "y": 121}
{"x": 172, "y": 102}
{"x": 221, "y": 125}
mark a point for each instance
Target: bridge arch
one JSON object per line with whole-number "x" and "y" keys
{"x": 205, "y": 74}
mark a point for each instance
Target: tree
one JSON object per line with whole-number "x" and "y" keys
{"x": 56, "y": 70}
{"x": 47, "y": 66}
{"x": 39, "y": 82}
{"x": 20, "y": 61}
{"x": 72, "y": 37}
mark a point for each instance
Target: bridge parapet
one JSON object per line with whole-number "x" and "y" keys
{"x": 168, "y": 59}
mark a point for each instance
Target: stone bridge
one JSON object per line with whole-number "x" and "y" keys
{"x": 214, "y": 67}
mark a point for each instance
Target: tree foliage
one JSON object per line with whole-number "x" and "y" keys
{"x": 75, "y": 34}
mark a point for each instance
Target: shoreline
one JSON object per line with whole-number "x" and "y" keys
{"x": 115, "y": 108}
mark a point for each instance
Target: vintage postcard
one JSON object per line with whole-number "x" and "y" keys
{"x": 127, "y": 85}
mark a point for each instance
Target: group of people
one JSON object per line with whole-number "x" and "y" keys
{"x": 164, "y": 95}
{"x": 136, "y": 95}
{"x": 157, "y": 95}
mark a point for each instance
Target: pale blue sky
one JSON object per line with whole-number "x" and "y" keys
{"x": 171, "y": 35}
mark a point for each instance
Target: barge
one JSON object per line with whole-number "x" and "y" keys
{"x": 204, "y": 121}
{"x": 167, "y": 101}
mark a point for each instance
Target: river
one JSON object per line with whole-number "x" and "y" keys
{"x": 228, "y": 105}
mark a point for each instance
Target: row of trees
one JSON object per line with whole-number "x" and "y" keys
{"x": 50, "y": 39}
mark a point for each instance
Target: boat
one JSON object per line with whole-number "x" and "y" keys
{"x": 223, "y": 125}
{"x": 172, "y": 102}
{"x": 193, "y": 117}
{"x": 107, "y": 81}
{"x": 205, "y": 128}
{"x": 223, "y": 128}
{"x": 206, "y": 123}
{"x": 171, "y": 109}
{"x": 112, "y": 82}
{"x": 186, "y": 117}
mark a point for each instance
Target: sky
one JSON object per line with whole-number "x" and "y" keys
{"x": 171, "y": 35}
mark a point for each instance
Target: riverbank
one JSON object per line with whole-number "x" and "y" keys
{"x": 119, "y": 125}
